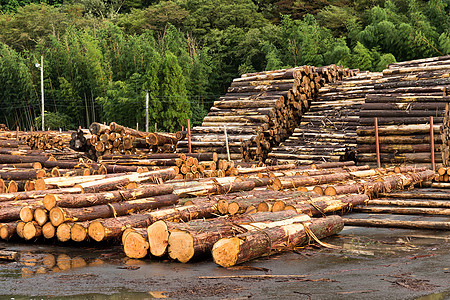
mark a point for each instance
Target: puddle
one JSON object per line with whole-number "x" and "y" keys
{"x": 123, "y": 295}
{"x": 437, "y": 296}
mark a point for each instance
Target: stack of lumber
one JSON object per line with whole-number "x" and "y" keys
{"x": 3, "y": 127}
{"x": 445, "y": 137}
{"x": 407, "y": 96}
{"x": 146, "y": 219}
{"x": 116, "y": 139}
{"x": 47, "y": 140}
{"x": 188, "y": 165}
{"x": 35, "y": 213}
{"x": 421, "y": 208}
{"x": 259, "y": 111}
{"x": 443, "y": 175}
{"x": 327, "y": 132}
{"x": 253, "y": 234}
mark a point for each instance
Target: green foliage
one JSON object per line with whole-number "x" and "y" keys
{"x": 16, "y": 89}
{"x": 101, "y": 56}
{"x": 54, "y": 121}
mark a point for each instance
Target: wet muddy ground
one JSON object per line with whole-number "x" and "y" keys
{"x": 373, "y": 263}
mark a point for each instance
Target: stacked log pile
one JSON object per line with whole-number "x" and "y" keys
{"x": 116, "y": 139}
{"x": 422, "y": 208}
{"x": 407, "y": 96}
{"x": 47, "y": 140}
{"x": 187, "y": 165}
{"x": 258, "y": 111}
{"x": 106, "y": 208}
{"x": 445, "y": 137}
{"x": 327, "y": 132}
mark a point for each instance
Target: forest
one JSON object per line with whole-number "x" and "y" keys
{"x": 100, "y": 58}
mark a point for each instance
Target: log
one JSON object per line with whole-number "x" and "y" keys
{"x": 196, "y": 239}
{"x": 433, "y": 225}
{"x": 48, "y": 231}
{"x": 92, "y": 199}
{"x": 59, "y": 215}
{"x": 404, "y": 210}
{"x": 257, "y": 243}
{"x": 7, "y": 230}
{"x": 79, "y": 231}
{"x": 135, "y": 243}
{"x": 410, "y": 203}
{"x": 113, "y": 227}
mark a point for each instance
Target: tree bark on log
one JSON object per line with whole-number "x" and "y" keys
{"x": 253, "y": 244}
{"x": 59, "y": 215}
{"x": 113, "y": 227}
{"x": 92, "y": 199}
{"x": 397, "y": 224}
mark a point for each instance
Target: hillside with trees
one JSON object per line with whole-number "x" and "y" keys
{"x": 101, "y": 57}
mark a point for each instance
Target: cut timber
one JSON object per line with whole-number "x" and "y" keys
{"x": 196, "y": 238}
{"x": 398, "y": 224}
{"x": 92, "y": 199}
{"x": 100, "y": 230}
{"x": 404, "y": 210}
{"x": 253, "y": 244}
{"x": 135, "y": 243}
{"x": 7, "y": 230}
{"x": 59, "y": 215}
{"x": 48, "y": 230}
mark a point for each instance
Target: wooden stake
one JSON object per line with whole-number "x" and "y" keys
{"x": 189, "y": 135}
{"x": 377, "y": 143}
{"x": 433, "y": 164}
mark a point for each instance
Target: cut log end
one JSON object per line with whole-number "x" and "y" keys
{"x": 225, "y": 251}
{"x": 48, "y": 230}
{"x": 158, "y": 238}
{"x": 49, "y": 201}
{"x": 56, "y": 216}
{"x": 96, "y": 231}
{"x": 278, "y": 206}
{"x": 78, "y": 233}
{"x": 233, "y": 208}
{"x": 19, "y": 228}
{"x": 31, "y": 230}
{"x": 63, "y": 232}
{"x": 26, "y": 214}
{"x": 181, "y": 246}
{"x": 41, "y": 216}
{"x": 6, "y": 231}
{"x": 39, "y": 185}
{"x": 135, "y": 245}
{"x": 222, "y": 206}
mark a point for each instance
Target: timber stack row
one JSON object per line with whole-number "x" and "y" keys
{"x": 403, "y": 101}
{"x": 47, "y": 140}
{"x": 445, "y": 136}
{"x": 327, "y": 132}
{"x": 145, "y": 217}
{"x": 259, "y": 111}
{"x": 116, "y": 139}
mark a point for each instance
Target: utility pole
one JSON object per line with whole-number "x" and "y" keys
{"x": 41, "y": 67}
{"x": 146, "y": 111}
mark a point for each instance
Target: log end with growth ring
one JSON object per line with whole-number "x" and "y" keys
{"x": 78, "y": 233}
{"x": 222, "y": 206}
{"x": 49, "y": 201}
{"x": 225, "y": 251}
{"x": 56, "y": 216}
{"x": 6, "y": 231}
{"x": 39, "y": 185}
{"x": 181, "y": 246}
{"x": 158, "y": 238}
{"x": 233, "y": 208}
{"x": 31, "y": 230}
{"x": 40, "y": 216}
{"x": 96, "y": 231}
{"x": 63, "y": 232}
{"x": 48, "y": 230}
{"x": 135, "y": 245}
{"x": 26, "y": 214}
{"x": 19, "y": 228}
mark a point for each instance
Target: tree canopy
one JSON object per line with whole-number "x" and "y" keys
{"x": 102, "y": 57}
